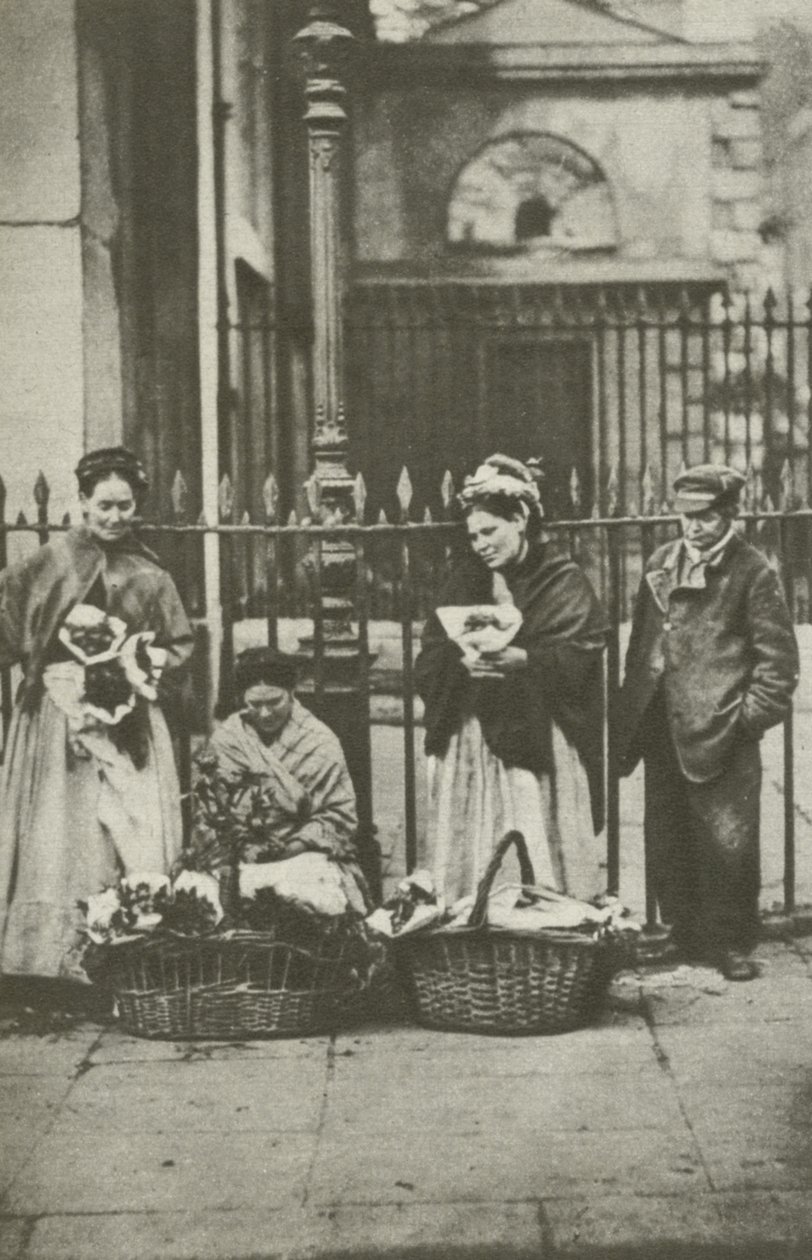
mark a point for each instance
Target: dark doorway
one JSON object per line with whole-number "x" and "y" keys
{"x": 539, "y": 403}
{"x": 439, "y": 378}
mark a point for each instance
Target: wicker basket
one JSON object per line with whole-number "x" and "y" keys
{"x": 230, "y": 987}
{"x": 496, "y": 980}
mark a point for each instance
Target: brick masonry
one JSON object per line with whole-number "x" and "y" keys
{"x": 736, "y": 179}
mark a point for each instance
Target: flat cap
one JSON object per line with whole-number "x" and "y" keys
{"x": 705, "y": 486}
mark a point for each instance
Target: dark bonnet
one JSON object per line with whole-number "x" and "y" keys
{"x": 96, "y": 465}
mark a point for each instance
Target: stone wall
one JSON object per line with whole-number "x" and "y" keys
{"x": 682, "y": 165}
{"x": 41, "y": 388}
{"x": 736, "y": 183}
{"x": 98, "y": 244}
{"x": 797, "y": 183}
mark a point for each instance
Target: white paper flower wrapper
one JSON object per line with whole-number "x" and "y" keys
{"x": 85, "y": 616}
{"x": 204, "y": 886}
{"x": 64, "y": 683}
{"x": 479, "y": 628}
{"x": 142, "y": 683}
{"x": 422, "y": 917}
{"x": 105, "y": 716}
{"x": 101, "y": 910}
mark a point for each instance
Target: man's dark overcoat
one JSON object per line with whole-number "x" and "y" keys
{"x": 724, "y": 652}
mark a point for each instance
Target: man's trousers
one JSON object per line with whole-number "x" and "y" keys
{"x": 702, "y": 843}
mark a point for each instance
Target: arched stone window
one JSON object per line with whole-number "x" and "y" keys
{"x": 531, "y": 190}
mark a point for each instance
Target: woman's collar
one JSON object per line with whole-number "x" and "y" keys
{"x": 516, "y": 566}
{"x": 129, "y": 544}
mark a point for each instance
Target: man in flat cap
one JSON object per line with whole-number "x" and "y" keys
{"x": 712, "y": 664}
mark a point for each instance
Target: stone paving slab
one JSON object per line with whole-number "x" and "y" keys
{"x": 29, "y": 1097}
{"x": 130, "y": 1171}
{"x": 778, "y": 1162}
{"x": 119, "y": 1047}
{"x": 267, "y": 1095}
{"x": 650, "y": 1135}
{"x": 690, "y": 1226}
{"x": 756, "y": 1053}
{"x": 709, "y": 1000}
{"x": 784, "y": 958}
{"x": 624, "y": 1049}
{"x": 20, "y": 1136}
{"x": 473, "y": 1231}
{"x": 461, "y": 1103}
{"x": 47, "y": 1056}
{"x": 14, "y": 1235}
{"x": 584, "y": 1226}
{"x": 420, "y": 1166}
{"x": 721, "y": 1111}
{"x": 762, "y": 1217}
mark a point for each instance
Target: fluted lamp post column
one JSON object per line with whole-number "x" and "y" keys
{"x": 322, "y": 51}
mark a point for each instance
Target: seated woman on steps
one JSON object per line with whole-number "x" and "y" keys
{"x": 297, "y": 760}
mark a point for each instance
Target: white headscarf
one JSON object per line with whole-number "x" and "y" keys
{"x": 500, "y": 474}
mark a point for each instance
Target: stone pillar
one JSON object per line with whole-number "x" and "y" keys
{"x": 322, "y": 50}
{"x": 41, "y": 302}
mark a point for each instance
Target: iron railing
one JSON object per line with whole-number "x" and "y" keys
{"x": 628, "y": 378}
{"x": 400, "y": 568}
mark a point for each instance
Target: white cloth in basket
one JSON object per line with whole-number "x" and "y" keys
{"x": 310, "y": 880}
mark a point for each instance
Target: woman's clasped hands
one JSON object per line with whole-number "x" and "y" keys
{"x": 499, "y": 664}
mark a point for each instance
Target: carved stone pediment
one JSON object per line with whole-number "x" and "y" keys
{"x": 525, "y": 21}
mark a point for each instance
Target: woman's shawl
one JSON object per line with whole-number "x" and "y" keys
{"x": 305, "y": 769}
{"x": 37, "y": 594}
{"x": 564, "y": 634}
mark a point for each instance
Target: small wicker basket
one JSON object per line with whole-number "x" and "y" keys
{"x": 235, "y": 986}
{"x": 497, "y": 980}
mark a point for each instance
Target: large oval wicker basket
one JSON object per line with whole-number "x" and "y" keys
{"x": 494, "y": 980}
{"x": 235, "y": 986}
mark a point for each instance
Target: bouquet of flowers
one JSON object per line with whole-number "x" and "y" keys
{"x": 198, "y": 954}
{"x": 143, "y": 903}
{"x": 109, "y": 671}
{"x": 415, "y": 904}
{"x": 479, "y": 628}
{"x": 235, "y": 835}
{"x": 234, "y": 818}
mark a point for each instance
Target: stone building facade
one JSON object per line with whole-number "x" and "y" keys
{"x": 553, "y": 155}
{"x": 154, "y": 229}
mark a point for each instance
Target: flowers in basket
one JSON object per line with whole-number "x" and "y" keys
{"x": 109, "y": 670}
{"x": 414, "y": 905}
{"x": 221, "y": 889}
{"x": 418, "y": 906}
{"x": 141, "y": 904}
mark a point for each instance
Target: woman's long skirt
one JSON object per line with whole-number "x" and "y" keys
{"x": 72, "y": 821}
{"x": 474, "y": 799}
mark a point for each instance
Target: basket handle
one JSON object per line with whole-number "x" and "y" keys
{"x": 479, "y": 914}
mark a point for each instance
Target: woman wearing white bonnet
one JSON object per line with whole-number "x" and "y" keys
{"x": 514, "y": 716}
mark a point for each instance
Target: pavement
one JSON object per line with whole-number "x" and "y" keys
{"x": 680, "y": 1126}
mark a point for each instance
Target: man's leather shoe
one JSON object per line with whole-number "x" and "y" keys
{"x": 736, "y": 966}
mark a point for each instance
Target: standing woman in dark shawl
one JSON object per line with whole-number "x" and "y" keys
{"x": 515, "y": 736}
{"x": 80, "y": 805}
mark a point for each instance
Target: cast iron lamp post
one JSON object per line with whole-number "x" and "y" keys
{"x": 322, "y": 50}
